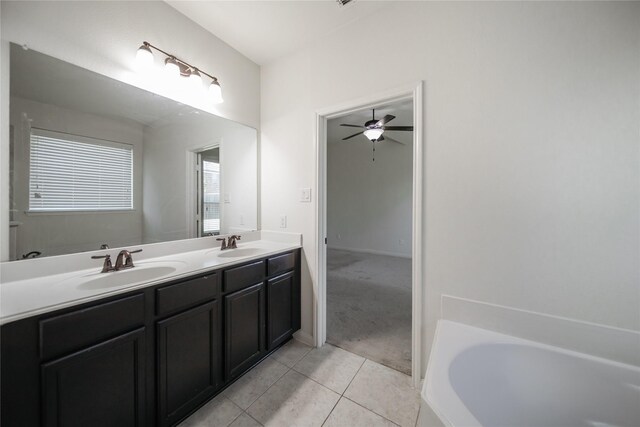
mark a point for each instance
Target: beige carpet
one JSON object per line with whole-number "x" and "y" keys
{"x": 369, "y": 306}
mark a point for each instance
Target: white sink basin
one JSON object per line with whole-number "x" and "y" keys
{"x": 237, "y": 253}
{"x": 139, "y": 273}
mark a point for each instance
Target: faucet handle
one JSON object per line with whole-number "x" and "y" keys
{"x": 107, "y": 266}
{"x": 224, "y": 243}
{"x": 232, "y": 241}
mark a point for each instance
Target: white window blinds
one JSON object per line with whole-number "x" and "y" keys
{"x": 76, "y": 173}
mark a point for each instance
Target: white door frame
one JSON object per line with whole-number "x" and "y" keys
{"x": 192, "y": 186}
{"x": 413, "y": 91}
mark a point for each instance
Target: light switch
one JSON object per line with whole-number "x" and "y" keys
{"x": 305, "y": 195}
{"x": 283, "y": 221}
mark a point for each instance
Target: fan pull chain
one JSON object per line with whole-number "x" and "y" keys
{"x": 373, "y": 143}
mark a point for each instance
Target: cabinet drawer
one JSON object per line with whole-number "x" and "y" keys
{"x": 241, "y": 277}
{"x": 72, "y": 331}
{"x": 186, "y": 294}
{"x": 281, "y": 263}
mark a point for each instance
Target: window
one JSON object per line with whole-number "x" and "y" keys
{"x": 76, "y": 173}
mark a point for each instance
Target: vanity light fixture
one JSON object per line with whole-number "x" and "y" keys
{"x": 177, "y": 67}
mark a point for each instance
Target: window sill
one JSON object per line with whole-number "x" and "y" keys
{"x": 78, "y": 212}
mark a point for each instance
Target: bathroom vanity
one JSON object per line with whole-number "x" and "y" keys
{"x": 152, "y": 354}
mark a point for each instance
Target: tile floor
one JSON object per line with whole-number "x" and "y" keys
{"x": 301, "y": 386}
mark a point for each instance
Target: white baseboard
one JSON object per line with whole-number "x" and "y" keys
{"x": 370, "y": 251}
{"x": 304, "y": 338}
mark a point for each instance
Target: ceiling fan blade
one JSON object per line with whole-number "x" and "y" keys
{"x": 381, "y": 138}
{"x": 352, "y": 126}
{"x": 394, "y": 140}
{"x": 351, "y": 136}
{"x": 405, "y": 128}
{"x": 385, "y": 119}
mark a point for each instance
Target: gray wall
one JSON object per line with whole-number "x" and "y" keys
{"x": 369, "y": 204}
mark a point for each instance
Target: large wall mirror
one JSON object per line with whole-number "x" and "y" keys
{"x": 94, "y": 161}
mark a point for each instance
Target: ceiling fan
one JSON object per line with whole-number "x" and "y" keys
{"x": 373, "y": 129}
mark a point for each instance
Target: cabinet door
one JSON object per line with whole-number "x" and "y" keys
{"x": 102, "y": 385}
{"x": 244, "y": 329}
{"x": 280, "y": 309}
{"x": 188, "y": 361}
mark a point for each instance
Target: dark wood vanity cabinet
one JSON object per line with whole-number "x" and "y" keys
{"x": 102, "y": 385}
{"x": 245, "y": 329}
{"x": 281, "y": 306}
{"x": 189, "y": 350}
{"x": 148, "y": 357}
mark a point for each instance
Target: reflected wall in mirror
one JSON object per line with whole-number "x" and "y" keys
{"x": 95, "y": 161}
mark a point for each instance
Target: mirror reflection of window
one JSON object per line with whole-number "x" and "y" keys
{"x": 76, "y": 173}
{"x": 210, "y": 192}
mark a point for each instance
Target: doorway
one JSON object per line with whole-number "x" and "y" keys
{"x": 208, "y": 192}
{"x": 369, "y": 201}
{"x": 412, "y": 95}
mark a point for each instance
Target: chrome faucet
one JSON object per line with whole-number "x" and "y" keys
{"x": 229, "y": 242}
{"x": 125, "y": 260}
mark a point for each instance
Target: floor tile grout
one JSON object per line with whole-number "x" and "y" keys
{"x": 268, "y": 388}
{"x": 354, "y": 377}
{"x": 249, "y": 415}
{"x": 345, "y": 390}
{"x": 289, "y": 368}
{"x": 364, "y": 407}
{"x": 340, "y": 395}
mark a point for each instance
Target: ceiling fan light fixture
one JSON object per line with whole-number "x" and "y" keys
{"x": 373, "y": 134}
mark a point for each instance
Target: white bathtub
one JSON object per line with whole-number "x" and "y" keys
{"x": 482, "y": 378}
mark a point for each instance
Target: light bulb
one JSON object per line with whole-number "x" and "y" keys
{"x": 373, "y": 134}
{"x": 215, "y": 92}
{"x": 144, "y": 57}
{"x": 195, "y": 79}
{"x": 171, "y": 67}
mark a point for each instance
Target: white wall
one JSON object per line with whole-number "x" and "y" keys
{"x": 169, "y": 193}
{"x": 239, "y": 181}
{"x": 61, "y": 233}
{"x": 104, "y": 36}
{"x": 531, "y": 148}
{"x": 369, "y": 204}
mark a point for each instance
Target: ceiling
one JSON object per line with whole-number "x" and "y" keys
{"x": 266, "y": 30}
{"x": 403, "y": 111}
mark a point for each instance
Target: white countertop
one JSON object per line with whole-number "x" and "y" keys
{"x": 50, "y": 289}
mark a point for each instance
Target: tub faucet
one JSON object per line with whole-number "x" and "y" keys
{"x": 125, "y": 260}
